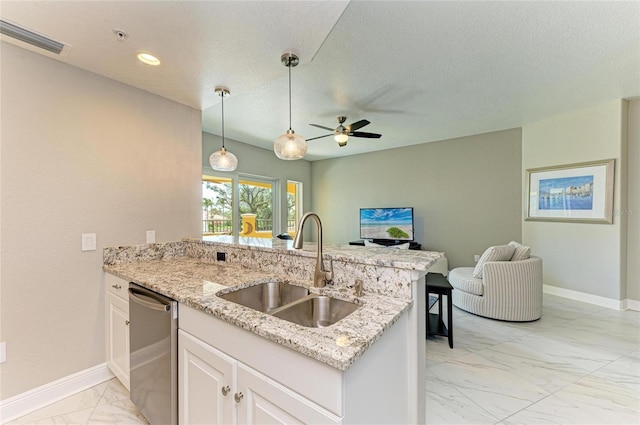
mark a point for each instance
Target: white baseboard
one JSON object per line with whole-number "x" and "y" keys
{"x": 632, "y": 304}
{"x": 44, "y": 395}
{"x": 592, "y": 299}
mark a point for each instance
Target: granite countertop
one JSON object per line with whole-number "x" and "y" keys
{"x": 195, "y": 283}
{"x": 385, "y": 257}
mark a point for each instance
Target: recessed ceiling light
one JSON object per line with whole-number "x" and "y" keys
{"x": 149, "y": 59}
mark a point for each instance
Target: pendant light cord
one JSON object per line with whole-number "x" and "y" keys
{"x": 289, "y": 66}
{"x": 222, "y": 94}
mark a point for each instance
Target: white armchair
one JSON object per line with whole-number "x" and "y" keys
{"x": 508, "y": 290}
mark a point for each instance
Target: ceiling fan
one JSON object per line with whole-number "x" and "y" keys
{"x": 341, "y": 133}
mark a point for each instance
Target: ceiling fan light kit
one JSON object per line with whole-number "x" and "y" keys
{"x": 342, "y": 138}
{"x": 341, "y": 133}
{"x": 223, "y": 160}
{"x": 290, "y": 146}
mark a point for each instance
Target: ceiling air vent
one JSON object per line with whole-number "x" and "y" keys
{"x": 30, "y": 37}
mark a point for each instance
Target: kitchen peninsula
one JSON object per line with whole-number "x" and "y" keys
{"x": 368, "y": 367}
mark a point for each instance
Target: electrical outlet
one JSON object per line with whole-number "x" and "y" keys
{"x": 88, "y": 241}
{"x": 476, "y": 258}
{"x": 3, "y": 352}
{"x": 151, "y": 236}
{"x": 221, "y": 256}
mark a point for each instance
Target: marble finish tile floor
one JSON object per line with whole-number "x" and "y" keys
{"x": 578, "y": 364}
{"x": 106, "y": 403}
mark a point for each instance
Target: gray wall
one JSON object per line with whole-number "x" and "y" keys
{"x": 80, "y": 154}
{"x": 582, "y": 257}
{"x": 261, "y": 162}
{"x": 466, "y": 192}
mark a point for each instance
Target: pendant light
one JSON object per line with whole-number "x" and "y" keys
{"x": 290, "y": 145}
{"x": 223, "y": 160}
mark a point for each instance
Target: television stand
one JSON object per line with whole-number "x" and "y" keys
{"x": 386, "y": 242}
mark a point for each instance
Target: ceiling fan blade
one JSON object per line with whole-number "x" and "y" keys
{"x": 358, "y": 124}
{"x": 323, "y": 127}
{"x": 319, "y": 137}
{"x": 367, "y": 135}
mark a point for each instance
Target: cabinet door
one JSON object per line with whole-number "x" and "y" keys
{"x": 206, "y": 383}
{"x": 117, "y": 310}
{"x": 265, "y": 401}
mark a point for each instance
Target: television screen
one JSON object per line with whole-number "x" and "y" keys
{"x": 386, "y": 223}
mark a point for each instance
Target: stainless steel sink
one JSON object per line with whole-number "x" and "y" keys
{"x": 267, "y": 296}
{"x": 292, "y": 303}
{"x": 316, "y": 311}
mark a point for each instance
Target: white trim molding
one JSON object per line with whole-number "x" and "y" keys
{"x": 632, "y": 304}
{"x": 592, "y": 299}
{"x": 29, "y": 401}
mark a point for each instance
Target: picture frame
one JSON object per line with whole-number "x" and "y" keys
{"x": 580, "y": 192}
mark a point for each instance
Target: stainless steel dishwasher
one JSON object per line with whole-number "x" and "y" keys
{"x": 153, "y": 341}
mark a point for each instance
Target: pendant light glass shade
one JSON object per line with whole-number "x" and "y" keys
{"x": 290, "y": 145}
{"x": 223, "y": 160}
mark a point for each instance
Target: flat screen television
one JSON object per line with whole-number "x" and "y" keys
{"x": 386, "y": 224}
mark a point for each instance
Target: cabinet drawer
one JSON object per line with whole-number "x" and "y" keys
{"x": 116, "y": 286}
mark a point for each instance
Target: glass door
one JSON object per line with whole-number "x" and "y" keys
{"x": 294, "y": 206}
{"x": 242, "y": 205}
{"x": 217, "y": 206}
{"x": 256, "y": 207}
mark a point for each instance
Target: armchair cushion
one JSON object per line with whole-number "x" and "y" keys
{"x": 493, "y": 253}
{"x": 461, "y": 278}
{"x": 521, "y": 252}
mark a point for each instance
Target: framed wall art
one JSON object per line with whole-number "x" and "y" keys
{"x": 574, "y": 192}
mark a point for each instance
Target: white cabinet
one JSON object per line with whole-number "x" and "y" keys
{"x": 264, "y": 401}
{"x": 117, "y": 327}
{"x": 215, "y": 388}
{"x": 205, "y": 380}
{"x": 269, "y": 383}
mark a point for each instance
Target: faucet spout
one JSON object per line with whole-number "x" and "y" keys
{"x": 320, "y": 276}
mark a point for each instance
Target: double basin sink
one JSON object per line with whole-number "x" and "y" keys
{"x": 292, "y": 303}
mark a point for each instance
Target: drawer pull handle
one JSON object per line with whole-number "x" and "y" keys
{"x": 225, "y": 390}
{"x": 116, "y": 286}
{"x": 238, "y": 397}
{"x": 126, "y": 322}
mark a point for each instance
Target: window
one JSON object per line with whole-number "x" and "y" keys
{"x": 294, "y": 206}
{"x": 239, "y": 206}
{"x": 217, "y": 206}
{"x": 256, "y": 208}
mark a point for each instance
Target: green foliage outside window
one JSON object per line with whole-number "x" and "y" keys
{"x": 253, "y": 198}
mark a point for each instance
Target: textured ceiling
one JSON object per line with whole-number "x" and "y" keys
{"x": 419, "y": 71}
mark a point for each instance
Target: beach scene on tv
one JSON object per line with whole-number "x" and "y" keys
{"x": 386, "y": 223}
